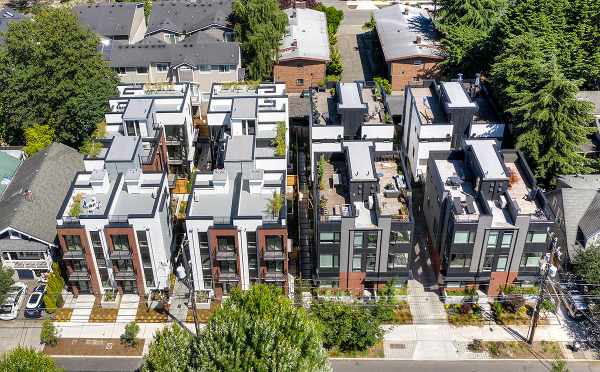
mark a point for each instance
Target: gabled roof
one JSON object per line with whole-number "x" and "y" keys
{"x": 590, "y": 222}
{"x": 108, "y": 19}
{"x": 8, "y": 167}
{"x": 398, "y": 33}
{"x": 184, "y": 17}
{"x": 306, "y": 36}
{"x": 33, "y": 198}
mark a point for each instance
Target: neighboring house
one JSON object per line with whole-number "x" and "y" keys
{"x": 28, "y": 209}
{"x": 576, "y": 202}
{"x": 10, "y": 160}
{"x": 235, "y": 239}
{"x": 116, "y": 21}
{"x": 154, "y": 110}
{"x": 115, "y": 225}
{"x": 304, "y": 50}
{"x": 592, "y": 148}
{"x": 407, "y": 38}
{"x": 363, "y": 215}
{"x": 488, "y": 221}
{"x": 441, "y": 116}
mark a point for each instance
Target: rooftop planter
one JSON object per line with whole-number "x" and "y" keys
{"x": 75, "y": 209}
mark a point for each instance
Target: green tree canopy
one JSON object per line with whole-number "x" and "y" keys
{"x": 38, "y": 137}
{"x": 22, "y": 359}
{"x": 259, "y": 27}
{"x": 6, "y": 281}
{"x": 586, "y": 263}
{"x": 51, "y": 72}
{"x": 169, "y": 351}
{"x": 260, "y": 330}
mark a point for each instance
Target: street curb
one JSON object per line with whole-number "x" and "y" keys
{"x": 595, "y": 361}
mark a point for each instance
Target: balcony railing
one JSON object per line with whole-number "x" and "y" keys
{"x": 222, "y": 220}
{"x": 73, "y": 254}
{"x": 125, "y": 275}
{"x": 120, "y": 254}
{"x": 273, "y": 255}
{"x": 118, "y": 218}
{"x": 223, "y": 255}
{"x": 228, "y": 277}
{"x": 274, "y": 277}
{"x": 79, "y": 275}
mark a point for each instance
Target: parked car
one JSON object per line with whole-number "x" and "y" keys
{"x": 576, "y": 305}
{"x": 35, "y": 305}
{"x": 10, "y": 308}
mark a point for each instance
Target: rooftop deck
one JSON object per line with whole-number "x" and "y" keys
{"x": 393, "y": 191}
{"x": 520, "y": 192}
{"x": 335, "y": 201}
{"x": 429, "y": 106}
{"x": 375, "y": 107}
{"x": 324, "y": 109}
{"x": 465, "y": 205}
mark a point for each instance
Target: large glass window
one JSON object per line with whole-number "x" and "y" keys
{"x": 501, "y": 263}
{"x": 397, "y": 261}
{"x": 372, "y": 240}
{"x": 149, "y": 275}
{"x": 144, "y": 248}
{"x": 459, "y": 261}
{"x": 329, "y": 237}
{"x": 275, "y": 266}
{"x": 356, "y": 262}
{"x": 488, "y": 262}
{"x": 464, "y": 237}
{"x": 506, "y": 240}
{"x": 397, "y": 237}
{"x": 226, "y": 243}
{"x": 329, "y": 261}
{"x": 73, "y": 242}
{"x": 492, "y": 240}
{"x": 371, "y": 261}
{"x": 531, "y": 260}
{"x": 228, "y": 266}
{"x": 124, "y": 265}
{"x": 536, "y": 237}
{"x": 273, "y": 243}
{"x": 97, "y": 245}
{"x": 120, "y": 242}
{"x": 358, "y": 240}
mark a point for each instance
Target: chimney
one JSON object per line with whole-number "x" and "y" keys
{"x": 418, "y": 39}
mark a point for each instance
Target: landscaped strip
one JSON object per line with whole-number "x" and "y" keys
{"x": 63, "y": 314}
{"x": 145, "y": 315}
{"x": 94, "y": 347}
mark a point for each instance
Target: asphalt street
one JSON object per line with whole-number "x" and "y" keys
{"x": 460, "y": 366}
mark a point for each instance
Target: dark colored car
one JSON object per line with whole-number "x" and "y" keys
{"x": 35, "y": 304}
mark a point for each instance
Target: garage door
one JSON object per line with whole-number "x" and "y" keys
{"x": 25, "y": 274}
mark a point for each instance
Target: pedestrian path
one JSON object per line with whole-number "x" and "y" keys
{"x": 128, "y": 308}
{"x": 82, "y": 308}
{"x": 425, "y": 307}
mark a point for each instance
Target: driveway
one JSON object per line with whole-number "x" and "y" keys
{"x": 353, "y": 44}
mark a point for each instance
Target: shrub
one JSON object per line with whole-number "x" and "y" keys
{"x": 279, "y": 140}
{"x": 53, "y": 296}
{"x": 514, "y": 303}
{"x": 383, "y": 311}
{"x": 476, "y": 346}
{"x": 548, "y": 305}
{"x": 49, "y": 334}
{"x": 129, "y": 336}
{"x": 24, "y": 359}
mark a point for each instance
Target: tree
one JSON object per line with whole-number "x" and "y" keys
{"x": 259, "y": 27}
{"x": 553, "y": 127}
{"x": 92, "y": 146}
{"x": 260, "y": 330}
{"x": 129, "y": 335}
{"x": 23, "y": 359}
{"x": 347, "y": 327}
{"x": 275, "y": 204}
{"x": 49, "y": 334}
{"x": 335, "y": 66}
{"x": 586, "y": 263}
{"x": 51, "y": 72}
{"x": 169, "y": 351}
{"x": 6, "y": 281}
{"x": 53, "y": 295}
{"x": 370, "y": 25}
{"x": 38, "y": 137}
{"x": 279, "y": 140}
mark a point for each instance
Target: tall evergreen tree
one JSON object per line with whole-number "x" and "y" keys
{"x": 259, "y": 27}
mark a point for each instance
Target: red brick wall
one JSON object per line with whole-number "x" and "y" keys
{"x": 89, "y": 255}
{"x": 135, "y": 255}
{"x": 261, "y": 237}
{"x": 498, "y": 279}
{"x": 213, "y": 234}
{"x": 404, "y": 72}
{"x": 288, "y": 72}
{"x": 354, "y": 281}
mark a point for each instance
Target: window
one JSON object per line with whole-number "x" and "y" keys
{"x": 329, "y": 261}
{"x": 299, "y": 82}
{"x": 144, "y": 248}
{"x": 104, "y": 279}
{"x": 397, "y": 237}
{"x": 204, "y": 68}
{"x": 371, "y": 261}
{"x": 73, "y": 242}
{"x": 275, "y": 266}
{"x": 120, "y": 242}
{"x": 372, "y": 240}
{"x": 97, "y": 247}
{"x": 358, "y": 240}
{"x": 273, "y": 243}
{"x": 124, "y": 265}
{"x": 171, "y": 38}
{"x": 5, "y": 256}
{"x": 536, "y": 237}
{"x": 223, "y": 68}
{"x": 397, "y": 261}
{"x": 329, "y": 237}
{"x": 206, "y": 263}
{"x": 488, "y": 262}
{"x": 225, "y": 243}
{"x": 149, "y": 275}
{"x": 464, "y": 237}
{"x": 228, "y": 266}
{"x": 356, "y": 262}
{"x": 121, "y": 70}
{"x": 141, "y": 70}
{"x": 501, "y": 263}
{"x": 214, "y": 67}
{"x": 418, "y": 62}
{"x": 529, "y": 260}
{"x": 492, "y": 239}
{"x": 459, "y": 261}
{"x": 506, "y": 240}
{"x": 78, "y": 266}
{"x": 162, "y": 67}
{"x": 132, "y": 127}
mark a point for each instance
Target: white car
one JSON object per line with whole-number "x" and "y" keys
{"x": 10, "y": 308}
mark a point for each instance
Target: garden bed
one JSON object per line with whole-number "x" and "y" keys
{"x": 145, "y": 315}
{"x": 62, "y": 314}
{"x": 103, "y": 315}
{"x": 203, "y": 314}
{"x": 464, "y": 315}
{"x": 372, "y": 352}
{"x": 521, "y": 350}
{"x": 95, "y": 347}
{"x": 402, "y": 313}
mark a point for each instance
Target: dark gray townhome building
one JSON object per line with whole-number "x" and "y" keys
{"x": 362, "y": 213}
{"x": 115, "y": 21}
{"x": 487, "y": 220}
{"x": 28, "y": 207}
{"x": 576, "y": 202}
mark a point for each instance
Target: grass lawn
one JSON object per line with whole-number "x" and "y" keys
{"x": 458, "y": 318}
{"x": 521, "y": 350}
{"x": 145, "y": 315}
{"x": 95, "y": 347}
{"x": 402, "y": 313}
{"x": 103, "y": 315}
{"x": 62, "y": 314}
{"x": 373, "y": 352}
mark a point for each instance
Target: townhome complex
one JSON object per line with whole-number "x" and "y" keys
{"x": 486, "y": 217}
{"x": 114, "y": 226}
{"x": 114, "y": 22}
{"x": 440, "y": 116}
{"x": 236, "y": 218}
{"x": 304, "y": 50}
{"x": 362, "y": 216}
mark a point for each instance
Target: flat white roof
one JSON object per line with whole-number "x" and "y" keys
{"x": 456, "y": 95}
{"x": 488, "y": 158}
{"x": 306, "y": 37}
{"x": 361, "y": 164}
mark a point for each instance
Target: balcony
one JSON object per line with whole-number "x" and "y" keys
{"x": 120, "y": 255}
{"x": 125, "y": 275}
{"x": 73, "y": 254}
{"x": 273, "y": 255}
{"x": 79, "y": 275}
{"x": 224, "y": 255}
{"x": 228, "y": 277}
{"x": 274, "y": 277}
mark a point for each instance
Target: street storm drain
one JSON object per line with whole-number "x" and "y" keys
{"x": 398, "y": 346}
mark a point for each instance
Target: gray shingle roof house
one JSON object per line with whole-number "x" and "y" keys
{"x": 576, "y": 202}
{"x": 117, "y": 21}
{"x": 183, "y": 17}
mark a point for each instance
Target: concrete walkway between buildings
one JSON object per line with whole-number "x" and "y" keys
{"x": 82, "y": 307}
{"x": 128, "y": 308}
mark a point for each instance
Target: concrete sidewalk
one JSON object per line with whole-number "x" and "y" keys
{"x": 20, "y": 332}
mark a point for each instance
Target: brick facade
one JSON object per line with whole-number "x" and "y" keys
{"x": 213, "y": 234}
{"x": 404, "y": 72}
{"x": 135, "y": 255}
{"x": 89, "y": 257}
{"x": 354, "y": 281}
{"x": 262, "y": 234}
{"x": 499, "y": 279}
{"x": 311, "y": 72}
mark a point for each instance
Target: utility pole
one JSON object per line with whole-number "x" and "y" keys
{"x": 543, "y": 278}
{"x": 190, "y": 281}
